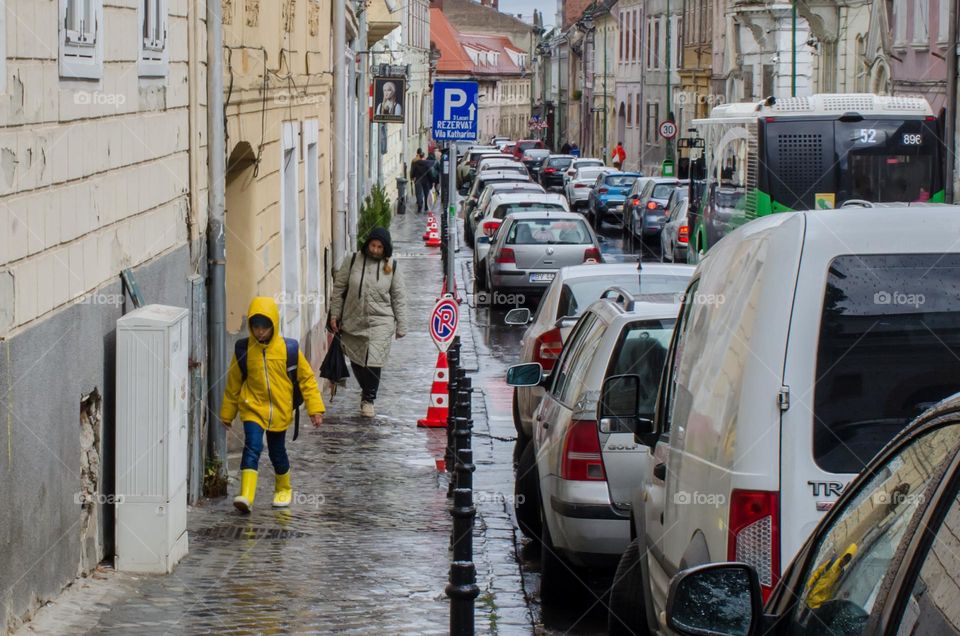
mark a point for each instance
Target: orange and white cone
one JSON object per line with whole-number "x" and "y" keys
{"x": 433, "y": 239}
{"x": 439, "y": 396}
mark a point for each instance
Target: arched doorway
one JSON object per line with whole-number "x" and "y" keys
{"x": 240, "y": 227}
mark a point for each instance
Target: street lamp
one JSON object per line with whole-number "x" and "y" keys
{"x": 587, "y": 27}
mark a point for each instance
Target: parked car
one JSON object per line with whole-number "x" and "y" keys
{"x": 580, "y": 468}
{"x": 631, "y": 203}
{"x": 573, "y": 290}
{"x": 467, "y": 167}
{"x": 577, "y": 188}
{"x": 533, "y": 159}
{"x": 883, "y": 561}
{"x": 790, "y": 370}
{"x": 524, "y": 145}
{"x": 493, "y": 213}
{"x": 648, "y": 213}
{"x": 472, "y": 198}
{"x": 605, "y": 202}
{"x": 530, "y": 247}
{"x": 499, "y": 142}
{"x": 580, "y": 162}
{"x": 551, "y": 175}
{"x": 496, "y": 186}
{"x": 493, "y": 163}
{"x": 675, "y": 236}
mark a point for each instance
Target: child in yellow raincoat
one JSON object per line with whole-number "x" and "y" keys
{"x": 264, "y": 400}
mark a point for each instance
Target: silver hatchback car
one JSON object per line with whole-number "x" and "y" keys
{"x": 529, "y": 248}
{"x": 580, "y": 469}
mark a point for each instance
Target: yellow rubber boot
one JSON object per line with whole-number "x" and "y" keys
{"x": 282, "y": 494}
{"x": 248, "y": 489}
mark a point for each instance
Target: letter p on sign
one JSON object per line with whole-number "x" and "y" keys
{"x": 454, "y": 98}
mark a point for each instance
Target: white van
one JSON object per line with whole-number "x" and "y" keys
{"x": 806, "y": 342}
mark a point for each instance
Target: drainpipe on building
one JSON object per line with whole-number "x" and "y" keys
{"x": 950, "y": 129}
{"x": 217, "y": 291}
{"x": 339, "y": 131}
{"x": 363, "y": 124}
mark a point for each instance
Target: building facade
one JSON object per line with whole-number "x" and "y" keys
{"x": 662, "y": 47}
{"x": 629, "y": 78}
{"x": 103, "y": 171}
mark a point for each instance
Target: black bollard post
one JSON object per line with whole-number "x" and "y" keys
{"x": 444, "y": 249}
{"x": 462, "y": 589}
{"x": 453, "y": 361}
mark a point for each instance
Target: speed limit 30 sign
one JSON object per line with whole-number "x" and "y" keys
{"x": 668, "y": 129}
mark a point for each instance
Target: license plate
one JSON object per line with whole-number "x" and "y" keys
{"x": 542, "y": 277}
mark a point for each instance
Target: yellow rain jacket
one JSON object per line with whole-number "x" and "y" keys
{"x": 267, "y": 395}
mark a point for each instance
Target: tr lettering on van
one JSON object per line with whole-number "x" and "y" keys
{"x": 826, "y": 488}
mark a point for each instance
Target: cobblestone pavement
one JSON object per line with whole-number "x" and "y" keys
{"x": 364, "y": 549}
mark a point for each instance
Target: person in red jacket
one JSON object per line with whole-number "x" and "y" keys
{"x": 619, "y": 156}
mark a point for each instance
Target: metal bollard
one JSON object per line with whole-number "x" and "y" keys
{"x": 453, "y": 362}
{"x": 462, "y": 589}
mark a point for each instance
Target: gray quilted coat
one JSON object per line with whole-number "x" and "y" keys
{"x": 374, "y": 305}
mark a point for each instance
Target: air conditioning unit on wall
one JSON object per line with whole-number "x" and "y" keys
{"x": 151, "y": 438}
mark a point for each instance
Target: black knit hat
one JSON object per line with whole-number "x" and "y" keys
{"x": 382, "y": 235}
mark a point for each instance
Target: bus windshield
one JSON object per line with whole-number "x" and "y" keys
{"x": 886, "y": 160}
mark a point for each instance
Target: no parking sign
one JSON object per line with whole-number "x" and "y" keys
{"x": 445, "y": 322}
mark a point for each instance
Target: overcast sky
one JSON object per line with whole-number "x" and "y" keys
{"x": 526, "y": 8}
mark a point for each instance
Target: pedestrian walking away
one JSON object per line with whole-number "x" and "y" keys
{"x": 369, "y": 309}
{"x": 565, "y": 149}
{"x": 421, "y": 179}
{"x": 267, "y": 375}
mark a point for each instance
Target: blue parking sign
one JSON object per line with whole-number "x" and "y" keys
{"x": 455, "y": 111}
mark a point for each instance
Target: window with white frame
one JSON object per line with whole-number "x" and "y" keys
{"x": 900, "y": 17}
{"x": 943, "y": 22}
{"x": 290, "y": 230}
{"x": 153, "y": 60}
{"x": 314, "y": 232}
{"x": 81, "y": 39}
{"x": 921, "y": 23}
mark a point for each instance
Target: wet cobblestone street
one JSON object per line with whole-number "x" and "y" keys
{"x": 364, "y": 549}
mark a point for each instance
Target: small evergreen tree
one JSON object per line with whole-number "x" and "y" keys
{"x": 375, "y": 212}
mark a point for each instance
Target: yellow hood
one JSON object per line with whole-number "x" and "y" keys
{"x": 266, "y": 306}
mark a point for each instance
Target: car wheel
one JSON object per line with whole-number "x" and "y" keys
{"x": 526, "y": 490}
{"x": 559, "y": 581}
{"x": 480, "y": 274}
{"x": 517, "y": 423}
{"x": 627, "y": 615}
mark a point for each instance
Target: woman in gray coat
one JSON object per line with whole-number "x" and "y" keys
{"x": 369, "y": 308}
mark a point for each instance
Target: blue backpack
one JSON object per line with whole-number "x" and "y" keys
{"x": 293, "y": 359}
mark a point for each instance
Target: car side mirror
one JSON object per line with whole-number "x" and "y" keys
{"x": 620, "y": 405}
{"x": 518, "y": 316}
{"x": 719, "y": 599}
{"x": 525, "y": 374}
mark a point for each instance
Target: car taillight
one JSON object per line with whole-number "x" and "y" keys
{"x": 550, "y": 170}
{"x": 582, "y": 460}
{"x": 547, "y": 348}
{"x": 754, "y": 534}
{"x": 651, "y": 205}
{"x": 506, "y": 255}
{"x": 683, "y": 234}
{"x": 489, "y": 227}
{"x": 603, "y": 190}
{"x": 580, "y": 185}
{"x": 591, "y": 253}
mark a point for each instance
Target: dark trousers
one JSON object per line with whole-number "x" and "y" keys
{"x": 253, "y": 446}
{"x": 369, "y": 379}
{"x": 423, "y": 188}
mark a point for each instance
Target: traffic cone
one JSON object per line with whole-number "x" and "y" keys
{"x": 433, "y": 240}
{"x": 439, "y": 396}
{"x": 431, "y": 226}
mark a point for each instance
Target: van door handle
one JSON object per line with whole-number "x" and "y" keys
{"x": 660, "y": 471}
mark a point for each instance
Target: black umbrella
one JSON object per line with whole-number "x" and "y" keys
{"x": 334, "y": 367}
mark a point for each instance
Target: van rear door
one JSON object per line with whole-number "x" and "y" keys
{"x": 873, "y": 343}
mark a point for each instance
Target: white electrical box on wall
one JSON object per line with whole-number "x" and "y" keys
{"x": 151, "y": 438}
